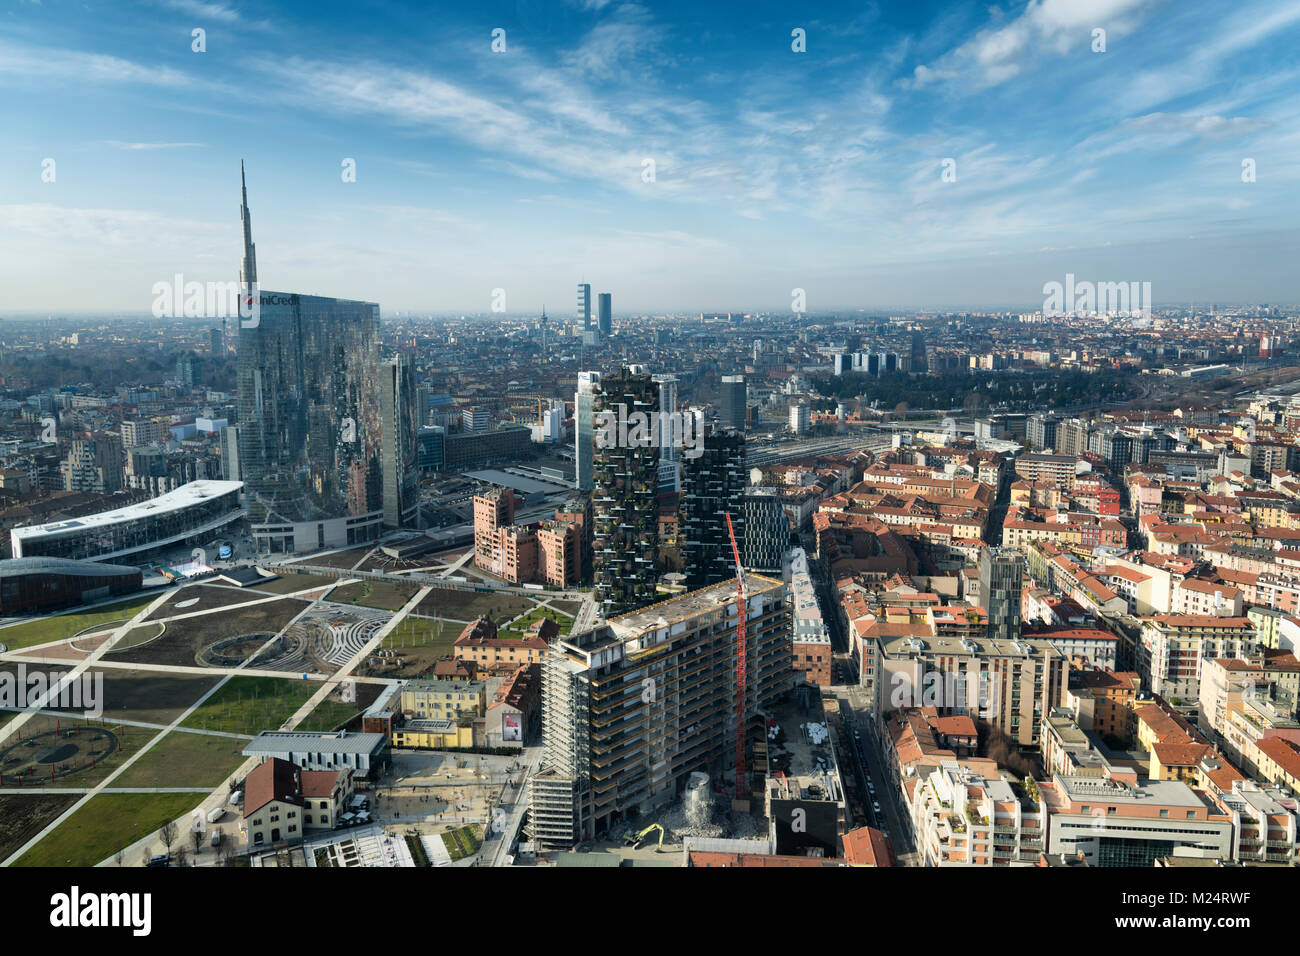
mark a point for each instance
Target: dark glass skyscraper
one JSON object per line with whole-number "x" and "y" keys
{"x": 308, "y": 374}
{"x": 398, "y": 457}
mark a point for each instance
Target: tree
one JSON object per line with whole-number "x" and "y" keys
{"x": 182, "y": 857}
{"x": 167, "y": 833}
{"x": 119, "y": 856}
{"x": 196, "y": 837}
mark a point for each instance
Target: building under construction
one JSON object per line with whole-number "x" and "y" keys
{"x": 634, "y": 705}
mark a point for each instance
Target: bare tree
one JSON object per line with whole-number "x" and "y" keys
{"x": 196, "y": 837}
{"x": 167, "y": 833}
{"x": 182, "y": 857}
{"x": 119, "y": 856}
{"x": 144, "y": 857}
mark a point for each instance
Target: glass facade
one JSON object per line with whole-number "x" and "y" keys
{"x": 309, "y": 409}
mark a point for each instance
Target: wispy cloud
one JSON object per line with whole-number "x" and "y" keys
{"x": 118, "y": 144}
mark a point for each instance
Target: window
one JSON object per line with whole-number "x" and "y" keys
{"x": 1164, "y": 813}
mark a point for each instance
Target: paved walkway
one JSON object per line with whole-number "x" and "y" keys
{"x": 218, "y": 797}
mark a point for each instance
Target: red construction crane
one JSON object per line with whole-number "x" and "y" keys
{"x": 742, "y": 599}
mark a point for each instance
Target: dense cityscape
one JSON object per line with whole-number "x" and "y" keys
{"x": 574, "y": 580}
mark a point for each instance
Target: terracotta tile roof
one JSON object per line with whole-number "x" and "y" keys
{"x": 1179, "y": 754}
{"x": 1283, "y": 752}
{"x": 867, "y": 846}
{"x": 272, "y": 780}
{"x": 319, "y": 783}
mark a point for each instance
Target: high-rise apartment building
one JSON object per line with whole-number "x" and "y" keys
{"x": 308, "y": 375}
{"x": 398, "y": 451}
{"x": 633, "y": 706}
{"x": 625, "y": 479}
{"x": 800, "y": 419}
{"x": 712, "y": 486}
{"x": 1040, "y": 430}
{"x": 94, "y": 464}
{"x": 731, "y": 402}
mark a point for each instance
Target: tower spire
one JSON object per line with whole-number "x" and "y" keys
{"x": 248, "y": 267}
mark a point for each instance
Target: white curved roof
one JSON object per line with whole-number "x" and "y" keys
{"x": 186, "y": 496}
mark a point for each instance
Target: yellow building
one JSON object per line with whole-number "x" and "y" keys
{"x": 435, "y": 734}
{"x": 443, "y": 699}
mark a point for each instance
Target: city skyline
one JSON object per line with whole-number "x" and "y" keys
{"x": 825, "y": 170}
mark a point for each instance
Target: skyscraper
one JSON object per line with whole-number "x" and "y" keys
{"x": 625, "y": 476}
{"x": 1001, "y": 571}
{"x": 767, "y": 530}
{"x": 398, "y": 430}
{"x": 606, "y": 313}
{"x": 669, "y": 439}
{"x": 584, "y": 304}
{"x": 583, "y": 407}
{"x": 731, "y": 402}
{"x": 712, "y": 486}
{"x": 308, "y": 378}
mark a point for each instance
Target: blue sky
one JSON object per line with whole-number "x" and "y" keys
{"x": 523, "y": 170}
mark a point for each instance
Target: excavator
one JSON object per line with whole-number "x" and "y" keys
{"x": 634, "y": 839}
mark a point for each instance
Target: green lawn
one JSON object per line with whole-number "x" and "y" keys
{"x": 520, "y": 627}
{"x": 185, "y": 760}
{"x": 423, "y": 632}
{"x": 249, "y": 705}
{"x": 383, "y": 595}
{"x": 107, "y": 823}
{"x": 62, "y": 626}
{"x": 328, "y": 715}
{"x": 463, "y": 841}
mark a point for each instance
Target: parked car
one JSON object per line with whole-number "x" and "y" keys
{"x": 159, "y": 859}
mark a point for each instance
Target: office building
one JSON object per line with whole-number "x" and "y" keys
{"x": 583, "y": 435}
{"x": 399, "y": 455}
{"x": 309, "y": 416}
{"x": 196, "y": 511}
{"x": 606, "y": 313}
{"x": 613, "y": 749}
{"x": 732, "y": 401}
{"x": 767, "y": 530}
{"x": 1001, "y": 571}
{"x": 584, "y": 305}
{"x": 230, "y": 453}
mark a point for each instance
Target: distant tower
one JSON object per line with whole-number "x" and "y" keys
{"x": 248, "y": 266}
{"x": 584, "y": 304}
{"x": 606, "y": 313}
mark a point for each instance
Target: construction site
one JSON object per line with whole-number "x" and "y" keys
{"x": 681, "y": 723}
